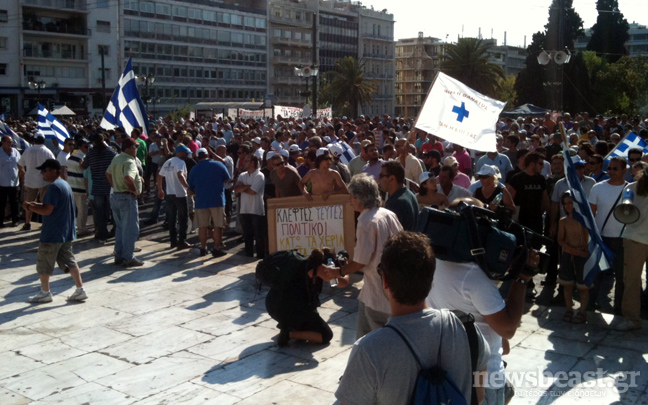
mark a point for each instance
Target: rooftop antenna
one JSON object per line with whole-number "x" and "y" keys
{"x": 504, "y": 37}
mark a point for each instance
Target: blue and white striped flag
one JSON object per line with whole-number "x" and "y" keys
{"x": 630, "y": 141}
{"x": 51, "y": 127}
{"x": 17, "y": 140}
{"x": 342, "y": 150}
{"x": 126, "y": 108}
{"x": 600, "y": 256}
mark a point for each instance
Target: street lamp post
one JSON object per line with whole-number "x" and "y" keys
{"x": 147, "y": 80}
{"x": 156, "y": 100}
{"x": 308, "y": 72}
{"x": 38, "y": 86}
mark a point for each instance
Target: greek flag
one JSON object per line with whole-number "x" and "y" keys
{"x": 630, "y": 141}
{"x": 17, "y": 140}
{"x": 126, "y": 108}
{"x": 345, "y": 152}
{"x": 600, "y": 256}
{"x": 50, "y": 126}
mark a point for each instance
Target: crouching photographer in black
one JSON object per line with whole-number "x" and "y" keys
{"x": 469, "y": 284}
{"x": 294, "y": 294}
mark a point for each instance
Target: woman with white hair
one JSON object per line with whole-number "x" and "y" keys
{"x": 491, "y": 188}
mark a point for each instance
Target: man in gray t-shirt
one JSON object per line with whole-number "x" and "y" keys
{"x": 381, "y": 369}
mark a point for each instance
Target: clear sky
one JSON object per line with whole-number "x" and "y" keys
{"x": 517, "y": 17}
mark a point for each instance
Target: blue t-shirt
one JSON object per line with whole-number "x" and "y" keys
{"x": 59, "y": 226}
{"x": 207, "y": 180}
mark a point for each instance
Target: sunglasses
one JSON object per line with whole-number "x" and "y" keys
{"x": 613, "y": 168}
{"x": 483, "y": 176}
{"x": 380, "y": 176}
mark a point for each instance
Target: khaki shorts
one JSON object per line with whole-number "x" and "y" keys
{"x": 34, "y": 194}
{"x": 50, "y": 253}
{"x": 217, "y": 214}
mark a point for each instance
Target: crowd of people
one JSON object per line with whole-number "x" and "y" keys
{"x": 211, "y": 173}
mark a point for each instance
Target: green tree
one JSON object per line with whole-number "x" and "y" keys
{"x": 507, "y": 92}
{"x": 622, "y": 87}
{"x": 346, "y": 87}
{"x": 467, "y": 61}
{"x": 610, "y": 33}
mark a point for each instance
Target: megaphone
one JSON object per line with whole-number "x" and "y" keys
{"x": 627, "y": 212}
{"x": 544, "y": 58}
{"x": 561, "y": 57}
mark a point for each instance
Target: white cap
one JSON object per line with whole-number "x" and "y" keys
{"x": 284, "y": 153}
{"x": 39, "y": 134}
{"x": 294, "y": 148}
{"x": 202, "y": 151}
{"x": 488, "y": 170}
{"x": 270, "y": 154}
{"x": 257, "y": 140}
{"x": 321, "y": 151}
{"x": 450, "y": 161}
{"x": 424, "y": 176}
{"x": 335, "y": 149}
{"x": 327, "y": 139}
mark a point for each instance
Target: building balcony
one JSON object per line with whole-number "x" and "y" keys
{"x": 57, "y": 56}
{"x": 287, "y": 80}
{"x": 56, "y": 30}
{"x": 291, "y": 42}
{"x": 289, "y": 22}
{"x": 73, "y": 5}
{"x": 378, "y": 37}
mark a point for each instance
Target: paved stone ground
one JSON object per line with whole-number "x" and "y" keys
{"x": 185, "y": 329}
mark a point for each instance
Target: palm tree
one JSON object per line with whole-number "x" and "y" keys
{"x": 467, "y": 61}
{"x": 347, "y": 86}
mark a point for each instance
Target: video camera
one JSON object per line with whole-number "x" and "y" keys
{"x": 491, "y": 239}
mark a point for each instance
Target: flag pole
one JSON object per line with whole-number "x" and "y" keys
{"x": 426, "y": 99}
{"x": 615, "y": 146}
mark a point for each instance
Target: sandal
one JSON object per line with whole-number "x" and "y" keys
{"x": 569, "y": 315}
{"x": 580, "y": 318}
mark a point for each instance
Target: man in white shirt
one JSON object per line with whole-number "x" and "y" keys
{"x": 447, "y": 187}
{"x": 412, "y": 165}
{"x": 174, "y": 171}
{"x": 33, "y": 182}
{"x": 603, "y": 197}
{"x": 9, "y": 157}
{"x": 63, "y": 156}
{"x": 251, "y": 185}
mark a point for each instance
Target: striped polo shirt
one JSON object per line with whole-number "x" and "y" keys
{"x": 98, "y": 160}
{"x": 75, "y": 172}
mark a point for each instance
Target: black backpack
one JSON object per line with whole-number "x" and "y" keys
{"x": 279, "y": 269}
{"x": 434, "y": 385}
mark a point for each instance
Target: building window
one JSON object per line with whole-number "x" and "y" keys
{"x": 103, "y": 26}
{"x": 106, "y": 50}
{"x": 3, "y": 42}
{"x": 4, "y": 16}
{"x": 3, "y": 69}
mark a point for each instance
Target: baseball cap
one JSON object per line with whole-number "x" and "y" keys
{"x": 335, "y": 149}
{"x": 157, "y": 136}
{"x": 50, "y": 164}
{"x": 284, "y": 153}
{"x": 450, "y": 161}
{"x": 257, "y": 140}
{"x": 182, "y": 148}
{"x": 321, "y": 152}
{"x": 294, "y": 148}
{"x": 487, "y": 170}
{"x": 128, "y": 143}
{"x": 202, "y": 151}
{"x": 270, "y": 155}
{"x": 39, "y": 134}
{"x": 327, "y": 139}
{"x": 579, "y": 164}
{"x": 424, "y": 176}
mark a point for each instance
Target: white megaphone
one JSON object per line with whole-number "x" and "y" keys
{"x": 627, "y": 212}
{"x": 544, "y": 58}
{"x": 560, "y": 58}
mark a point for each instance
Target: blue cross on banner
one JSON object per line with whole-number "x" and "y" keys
{"x": 461, "y": 112}
{"x": 632, "y": 140}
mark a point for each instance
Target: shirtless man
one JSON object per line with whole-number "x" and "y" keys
{"x": 324, "y": 180}
{"x": 573, "y": 239}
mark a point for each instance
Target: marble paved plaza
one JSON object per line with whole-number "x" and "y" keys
{"x": 185, "y": 329}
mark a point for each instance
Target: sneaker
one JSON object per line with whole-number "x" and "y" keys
{"x": 137, "y": 249}
{"x": 203, "y": 252}
{"x": 118, "y": 261}
{"x": 184, "y": 245}
{"x": 14, "y": 224}
{"x": 220, "y": 252}
{"x": 173, "y": 245}
{"x": 26, "y": 227}
{"x": 627, "y": 325}
{"x": 41, "y": 297}
{"x": 78, "y": 295}
{"x": 134, "y": 262}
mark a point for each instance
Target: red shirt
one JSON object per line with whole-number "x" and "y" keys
{"x": 464, "y": 161}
